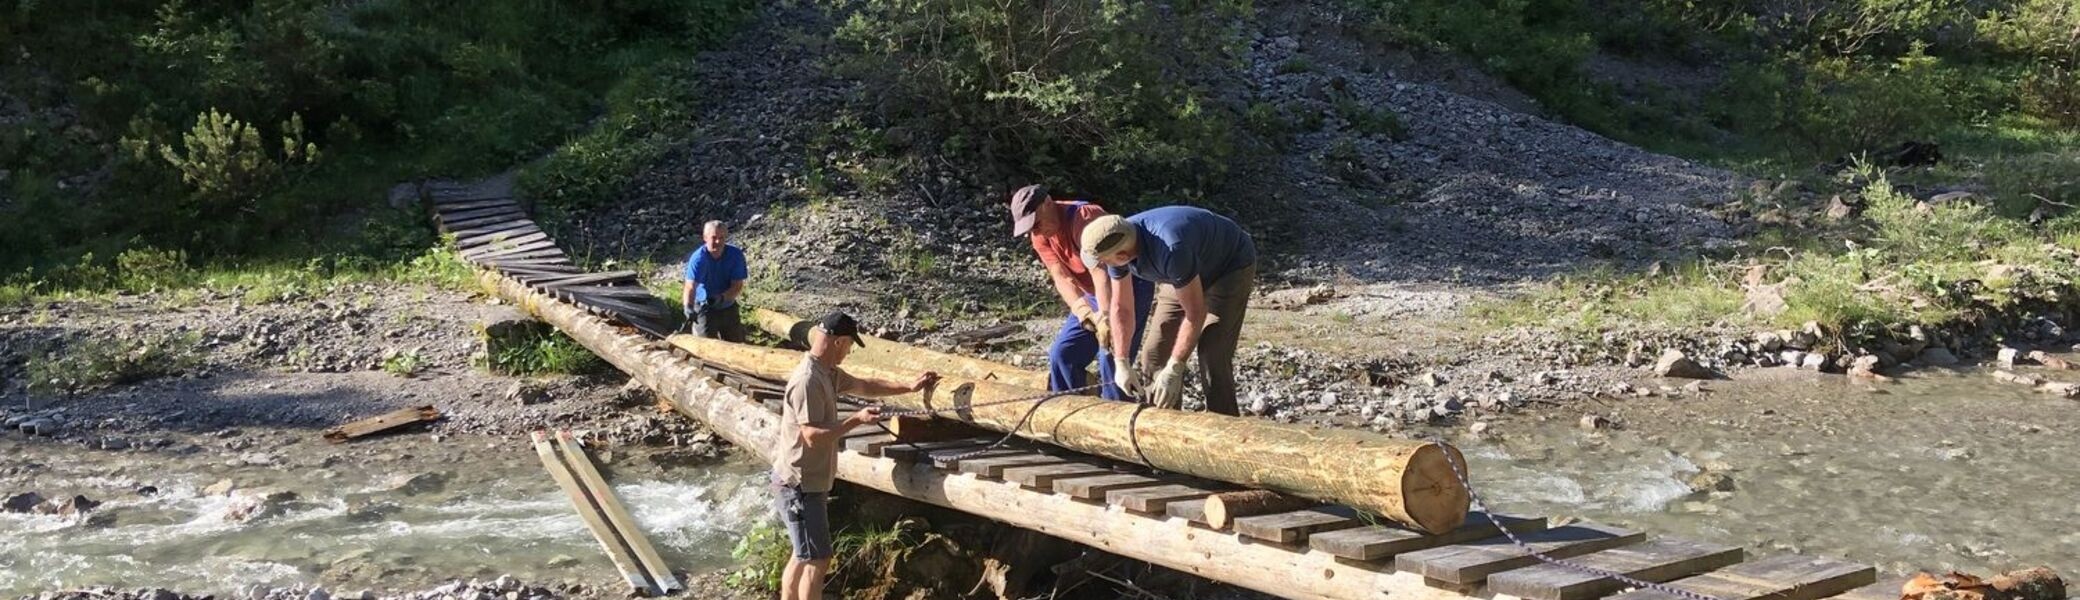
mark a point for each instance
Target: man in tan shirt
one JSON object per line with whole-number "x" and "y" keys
{"x": 806, "y": 455}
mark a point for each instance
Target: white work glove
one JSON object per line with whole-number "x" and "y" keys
{"x": 1167, "y": 388}
{"x": 1102, "y": 326}
{"x": 1123, "y": 376}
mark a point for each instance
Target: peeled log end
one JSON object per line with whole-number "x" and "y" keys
{"x": 1432, "y": 497}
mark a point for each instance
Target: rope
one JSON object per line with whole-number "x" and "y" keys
{"x": 1460, "y": 472}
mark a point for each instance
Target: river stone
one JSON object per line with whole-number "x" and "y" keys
{"x": 22, "y": 503}
{"x": 527, "y": 392}
{"x": 1936, "y": 357}
{"x": 417, "y": 483}
{"x": 2007, "y": 357}
{"x": 222, "y": 487}
{"x": 1673, "y": 363}
{"x": 1711, "y": 481}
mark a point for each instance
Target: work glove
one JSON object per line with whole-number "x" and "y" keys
{"x": 1166, "y": 390}
{"x": 1102, "y": 326}
{"x": 1123, "y": 376}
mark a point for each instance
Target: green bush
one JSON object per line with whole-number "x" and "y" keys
{"x": 1090, "y": 89}
{"x": 763, "y": 553}
{"x": 97, "y": 362}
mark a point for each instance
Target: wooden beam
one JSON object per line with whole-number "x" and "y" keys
{"x": 1294, "y": 527}
{"x": 869, "y": 445}
{"x": 1042, "y": 477}
{"x": 624, "y": 560}
{"x": 1655, "y": 560}
{"x": 1095, "y": 488}
{"x": 1152, "y": 500}
{"x": 472, "y": 236}
{"x": 1225, "y": 507}
{"x": 950, "y": 460}
{"x": 609, "y": 504}
{"x": 908, "y": 451}
{"x": 926, "y": 429}
{"x": 381, "y": 423}
{"x": 1468, "y": 564}
{"x": 1406, "y": 481}
{"x": 1782, "y": 577}
{"x": 494, "y": 239}
{"x": 1381, "y": 542}
{"x": 890, "y": 353}
{"x": 475, "y": 204}
{"x": 993, "y": 468}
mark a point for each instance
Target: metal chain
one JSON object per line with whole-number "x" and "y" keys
{"x": 1460, "y": 472}
{"x": 1036, "y": 399}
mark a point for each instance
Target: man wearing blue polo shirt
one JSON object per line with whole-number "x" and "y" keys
{"x": 715, "y": 277}
{"x": 1205, "y": 266}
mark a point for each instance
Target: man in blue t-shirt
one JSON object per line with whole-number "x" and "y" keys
{"x": 715, "y": 277}
{"x": 1204, "y": 266}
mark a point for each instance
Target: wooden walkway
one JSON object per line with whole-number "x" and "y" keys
{"x": 1324, "y": 552}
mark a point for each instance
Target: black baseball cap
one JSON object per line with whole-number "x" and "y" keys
{"x": 1025, "y": 208}
{"x": 839, "y": 323}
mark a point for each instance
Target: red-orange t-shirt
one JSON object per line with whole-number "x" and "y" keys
{"x": 1060, "y": 247}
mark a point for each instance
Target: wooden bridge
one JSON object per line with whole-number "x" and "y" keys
{"x": 1322, "y": 552}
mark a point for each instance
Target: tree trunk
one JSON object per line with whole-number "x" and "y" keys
{"x": 1407, "y": 481}
{"x": 890, "y": 354}
{"x": 1224, "y": 508}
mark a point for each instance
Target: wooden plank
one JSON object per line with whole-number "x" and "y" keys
{"x": 611, "y": 291}
{"x": 993, "y": 468}
{"x": 1152, "y": 500}
{"x": 445, "y": 196}
{"x": 542, "y": 253}
{"x": 1887, "y": 588}
{"x": 619, "y": 306}
{"x": 586, "y": 279}
{"x": 475, "y": 204}
{"x": 1655, "y": 560}
{"x": 1193, "y": 510}
{"x": 381, "y": 423}
{"x": 1783, "y": 577}
{"x": 487, "y": 221}
{"x": 922, "y": 429}
{"x": 1042, "y": 477}
{"x": 471, "y": 236}
{"x": 625, "y": 561}
{"x": 481, "y": 213}
{"x": 559, "y": 262}
{"x": 869, "y": 445}
{"x": 1094, "y": 488}
{"x": 609, "y": 503}
{"x": 493, "y": 239}
{"x": 1383, "y": 541}
{"x": 1294, "y": 527}
{"x": 907, "y": 451}
{"x": 951, "y": 460}
{"x": 501, "y": 250}
{"x": 517, "y": 272}
{"x": 1473, "y": 562}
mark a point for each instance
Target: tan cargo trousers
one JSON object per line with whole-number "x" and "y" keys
{"x": 1226, "y": 301}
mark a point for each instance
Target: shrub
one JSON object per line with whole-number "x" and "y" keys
{"x": 1092, "y": 87}
{"x": 763, "y": 553}
{"x": 548, "y": 352}
{"x": 97, "y": 362}
{"x": 147, "y": 269}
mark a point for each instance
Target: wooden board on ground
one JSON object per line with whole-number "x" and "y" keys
{"x": 993, "y": 468}
{"x": 586, "y": 279}
{"x": 869, "y": 445}
{"x": 1294, "y": 527}
{"x": 479, "y": 213}
{"x": 907, "y": 451}
{"x": 497, "y": 240}
{"x": 1384, "y": 541}
{"x": 624, "y": 560}
{"x": 1153, "y": 500}
{"x": 1095, "y": 488}
{"x": 381, "y": 423}
{"x": 1042, "y": 477}
{"x": 610, "y": 291}
{"x": 474, "y": 222}
{"x": 450, "y": 207}
{"x": 1783, "y": 577}
{"x": 620, "y": 307}
{"x": 609, "y": 503}
{"x": 1655, "y": 560}
{"x": 500, "y": 250}
{"x": 471, "y": 236}
{"x": 1470, "y": 563}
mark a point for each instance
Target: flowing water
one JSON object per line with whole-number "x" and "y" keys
{"x": 496, "y": 513}
{"x": 1937, "y": 472}
{"x": 1942, "y": 471}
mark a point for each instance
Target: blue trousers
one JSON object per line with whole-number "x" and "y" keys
{"x": 1074, "y": 348}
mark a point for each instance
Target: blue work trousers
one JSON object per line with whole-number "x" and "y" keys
{"x": 1075, "y": 347}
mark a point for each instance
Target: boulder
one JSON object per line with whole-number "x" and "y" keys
{"x": 525, "y": 393}
{"x": 1936, "y": 357}
{"x": 222, "y": 487}
{"x": 417, "y": 483}
{"x": 1673, "y": 363}
{"x": 1711, "y": 481}
{"x": 22, "y": 502}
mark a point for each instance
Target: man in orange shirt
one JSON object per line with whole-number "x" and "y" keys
{"x": 1053, "y": 224}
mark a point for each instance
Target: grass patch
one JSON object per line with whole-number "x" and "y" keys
{"x": 99, "y": 362}
{"x": 1907, "y": 263}
{"x": 549, "y": 352}
{"x": 404, "y": 363}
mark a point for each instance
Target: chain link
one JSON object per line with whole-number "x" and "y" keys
{"x": 1482, "y": 507}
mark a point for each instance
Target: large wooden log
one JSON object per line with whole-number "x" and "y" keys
{"x": 891, "y": 354}
{"x": 1407, "y": 481}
